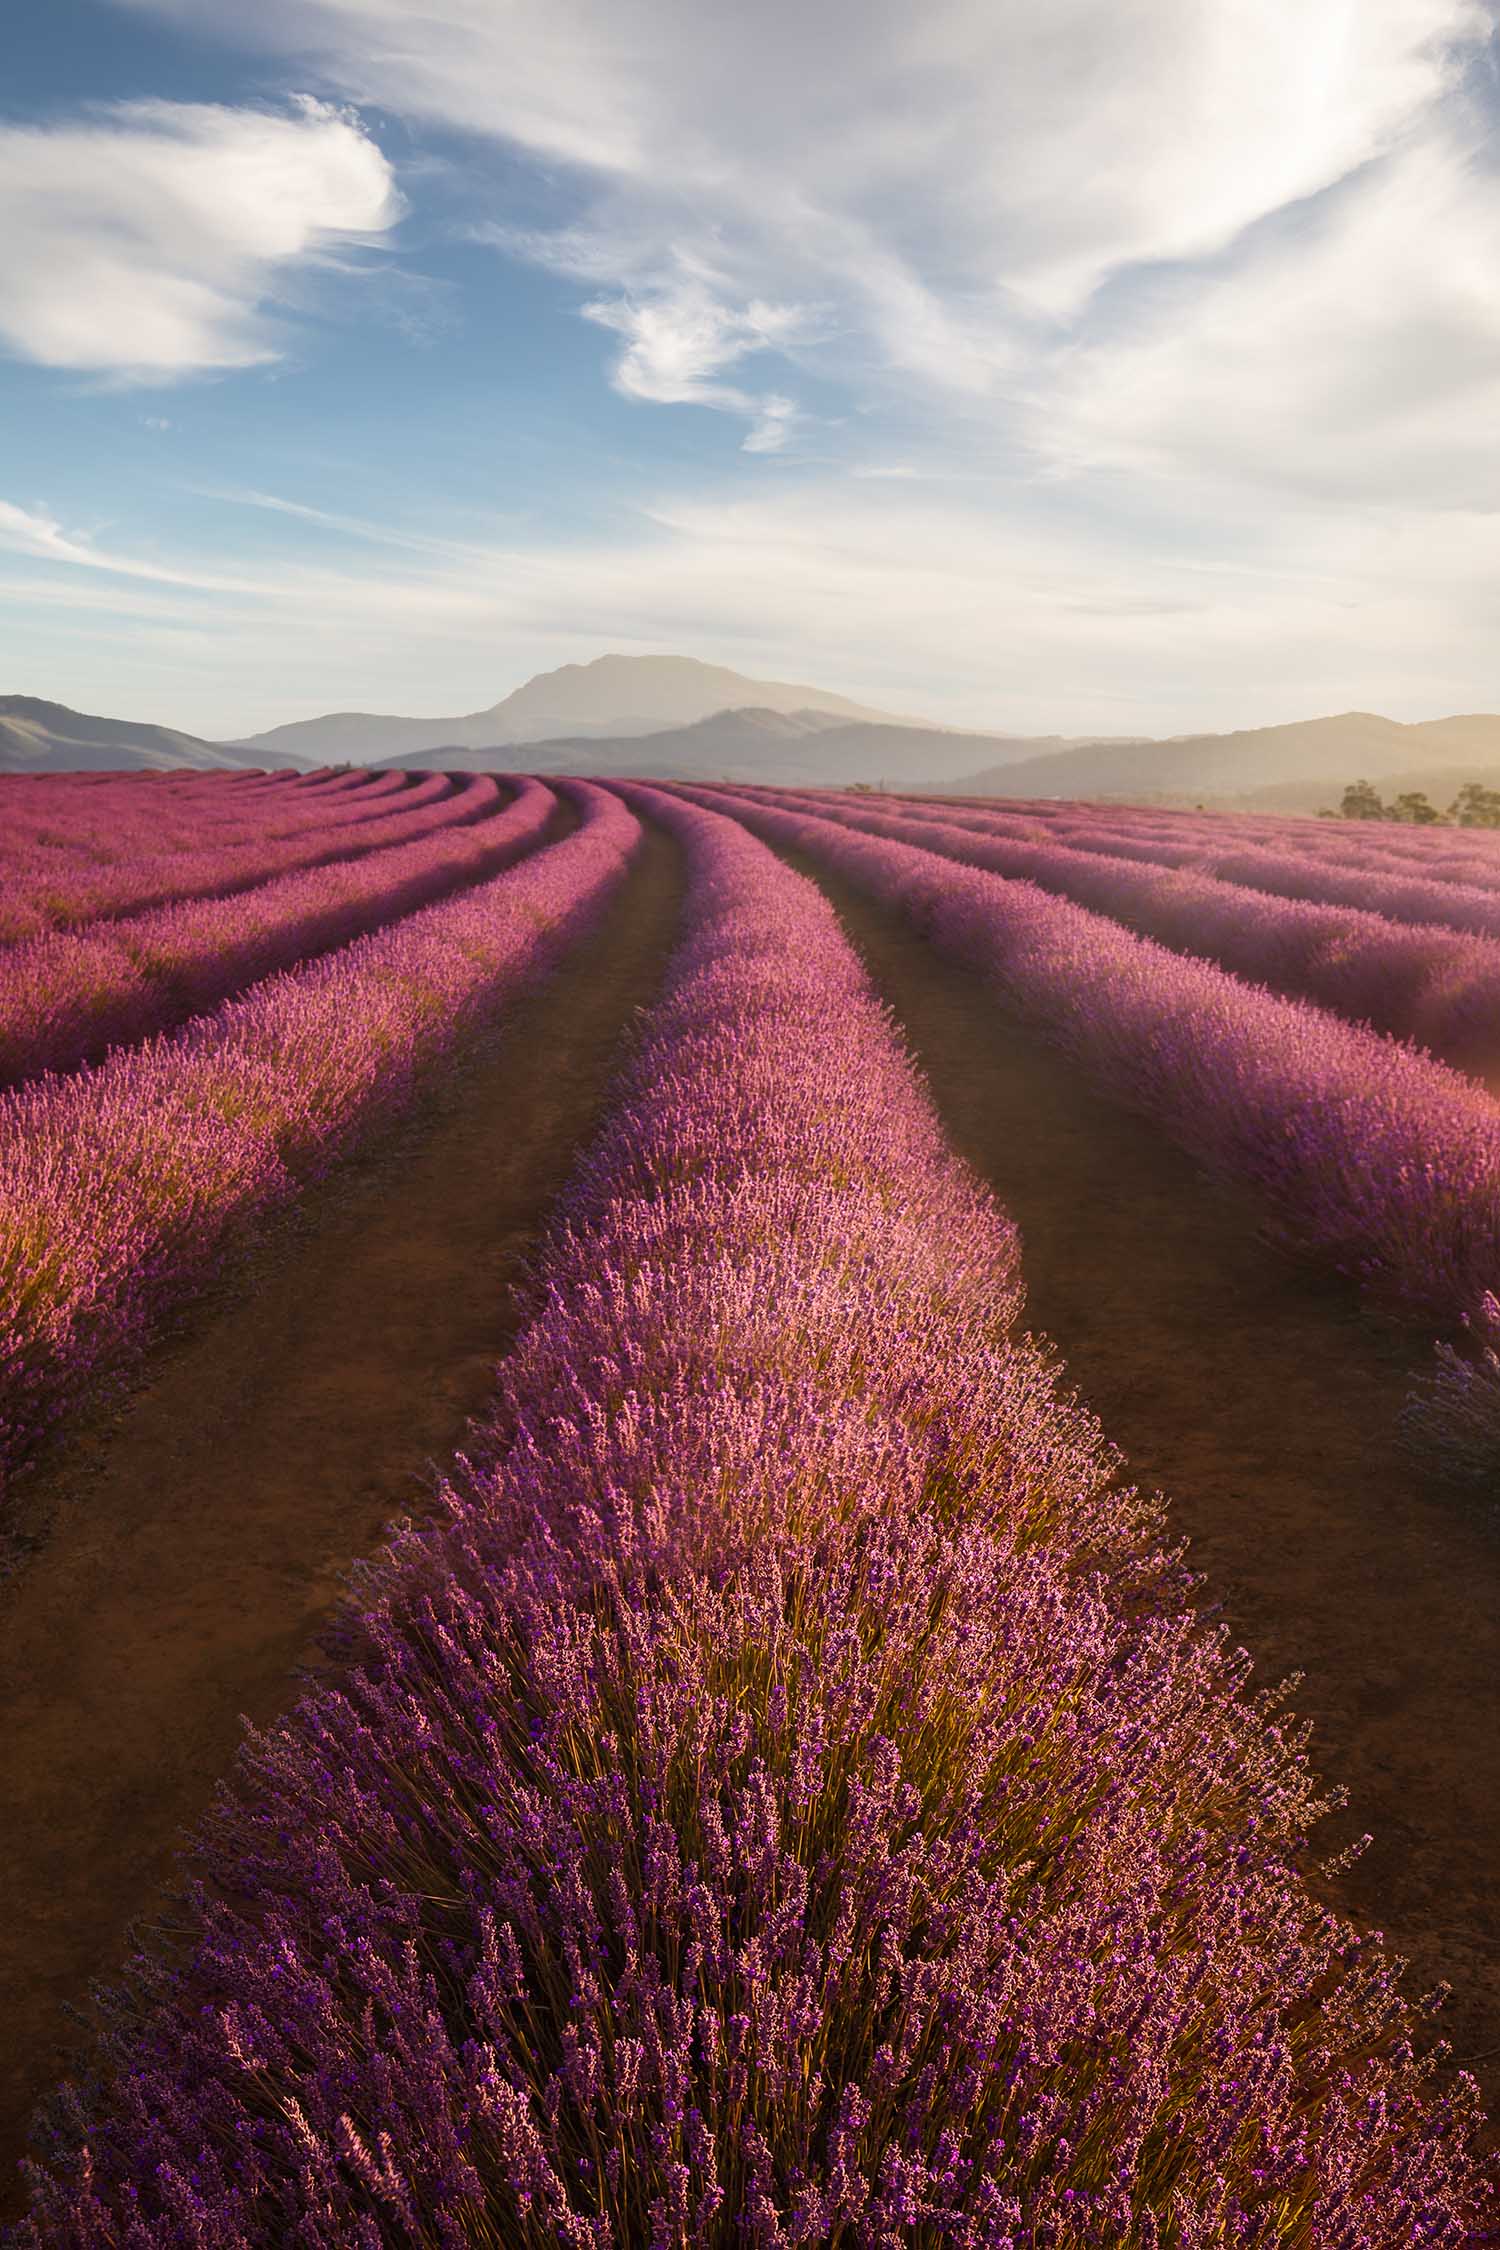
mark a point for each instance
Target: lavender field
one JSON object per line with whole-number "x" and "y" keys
{"x": 765, "y": 1764}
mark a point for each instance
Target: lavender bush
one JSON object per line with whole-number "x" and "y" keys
{"x": 129, "y": 864}
{"x": 1373, "y": 879}
{"x": 67, "y": 997}
{"x": 1466, "y": 857}
{"x": 1423, "y": 982}
{"x": 118, "y": 1186}
{"x": 1363, "y": 1154}
{"x": 779, "y": 1798}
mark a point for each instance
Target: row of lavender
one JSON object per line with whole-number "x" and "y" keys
{"x": 1423, "y": 982}
{"x": 63, "y": 820}
{"x": 1465, "y": 857}
{"x": 1363, "y": 1154}
{"x": 780, "y": 1799}
{"x": 120, "y": 1186}
{"x": 69, "y": 996}
{"x": 132, "y": 866}
{"x": 1461, "y": 897}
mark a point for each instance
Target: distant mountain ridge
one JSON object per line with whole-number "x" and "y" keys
{"x": 776, "y": 733}
{"x": 41, "y": 737}
{"x": 1294, "y": 768}
{"x": 617, "y": 697}
{"x": 803, "y": 749}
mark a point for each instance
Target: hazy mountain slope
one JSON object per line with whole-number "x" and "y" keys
{"x": 653, "y": 693}
{"x": 1474, "y": 734}
{"x": 1440, "y": 784}
{"x": 798, "y": 749}
{"x": 614, "y": 696}
{"x": 1354, "y": 745}
{"x": 38, "y": 737}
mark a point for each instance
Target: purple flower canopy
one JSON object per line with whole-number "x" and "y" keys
{"x": 1418, "y": 960}
{"x": 122, "y": 1185}
{"x": 782, "y": 1796}
{"x": 1363, "y": 1153}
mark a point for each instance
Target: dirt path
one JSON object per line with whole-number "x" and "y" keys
{"x": 1263, "y": 1403}
{"x": 191, "y": 1552}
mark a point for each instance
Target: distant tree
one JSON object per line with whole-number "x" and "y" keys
{"x": 863, "y": 788}
{"x": 1361, "y": 802}
{"x": 1413, "y": 807}
{"x": 1476, "y": 807}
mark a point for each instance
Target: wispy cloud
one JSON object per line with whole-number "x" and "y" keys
{"x": 951, "y": 175}
{"x": 35, "y": 532}
{"x": 1350, "y": 353}
{"x": 143, "y": 243}
{"x": 1017, "y": 622}
{"x": 346, "y": 526}
{"x": 1150, "y": 242}
{"x": 1132, "y": 366}
{"x": 679, "y": 342}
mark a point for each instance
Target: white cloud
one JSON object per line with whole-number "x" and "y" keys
{"x": 961, "y": 190}
{"x": 1351, "y": 356}
{"x": 774, "y": 418}
{"x": 346, "y": 526}
{"x": 1160, "y": 340}
{"x": 945, "y": 155}
{"x": 1003, "y": 619}
{"x": 35, "y": 532}
{"x": 145, "y": 243}
{"x": 678, "y": 342}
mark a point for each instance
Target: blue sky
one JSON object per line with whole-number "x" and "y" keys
{"x": 1124, "y": 365}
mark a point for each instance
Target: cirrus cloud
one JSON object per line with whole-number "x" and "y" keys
{"x": 1008, "y": 217}
{"x": 1349, "y": 353}
{"x": 1156, "y": 342}
{"x": 955, "y": 167}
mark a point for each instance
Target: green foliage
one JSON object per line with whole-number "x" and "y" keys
{"x": 1476, "y": 807}
{"x": 1413, "y": 807}
{"x": 1361, "y": 802}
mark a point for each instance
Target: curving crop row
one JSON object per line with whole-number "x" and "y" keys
{"x": 62, "y": 829}
{"x": 67, "y": 815}
{"x": 781, "y": 1798}
{"x": 68, "y": 997}
{"x": 1370, "y": 882}
{"x": 1363, "y": 1154}
{"x": 1440, "y": 854}
{"x": 1421, "y": 982}
{"x": 119, "y": 1186}
{"x": 129, "y": 875}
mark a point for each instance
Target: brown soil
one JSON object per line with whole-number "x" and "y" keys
{"x": 187, "y": 1556}
{"x": 1263, "y": 1402}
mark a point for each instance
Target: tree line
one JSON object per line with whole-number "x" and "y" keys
{"x": 1473, "y": 807}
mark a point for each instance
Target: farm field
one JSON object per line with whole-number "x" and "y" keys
{"x": 779, "y": 1782}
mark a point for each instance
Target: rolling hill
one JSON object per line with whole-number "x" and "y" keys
{"x": 800, "y": 749}
{"x": 39, "y": 737}
{"x": 626, "y": 718}
{"x": 1294, "y": 768}
{"x": 614, "y": 697}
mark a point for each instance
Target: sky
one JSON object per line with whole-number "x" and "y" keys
{"x": 1108, "y": 366}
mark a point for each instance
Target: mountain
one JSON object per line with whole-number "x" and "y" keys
{"x": 613, "y": 696}
{"x": 794, "y": 749}
{"x": 1439, "y": 784}
{"x": 772, "y": 732}
{"x": 38, "y": 737}
{"x": 1294, "y": 768}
